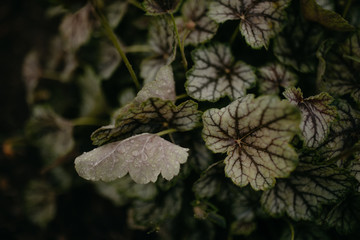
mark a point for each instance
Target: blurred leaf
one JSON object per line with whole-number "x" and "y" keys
{"x": 108, "y": 60}
{"x": 215, "y": 74}
{"x": 156, "y": 7}
{"x": 31, "y": 73}
{"x": 115, "y": 12}
{"x": 260, "y": 19}
{"x": 255, "y": 134}
{"x": 144, "y": 156}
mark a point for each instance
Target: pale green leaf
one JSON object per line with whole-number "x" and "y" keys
{"x": 260, "y": 19}
{"x": 316, "y": 113}
{"x": 215, "y": 74}
{"x": 255, "y": 133}
{"x": 273, "y": 77}
{"x": 156, "y": 7}
{"x": 308, "y": 188}
{"x": 194, "y": 24}
{"x": 162, "y": 43}
{"x": 143, "y": 156}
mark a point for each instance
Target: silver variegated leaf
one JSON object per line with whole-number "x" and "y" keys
{"x": 143, "y": 156}
{"x": 273, "y": 77}
{"x": 255, "y": 134}
{"x": 308, "y": 188}
{"x": 215, "y": 74}
{"x": 341, "y": 68}
{"x": 317, "y": 114}
{"x": 260, "y": 19}
{"x": 194, "y": 24}
{"x": 162, "y": 43}
{"x": 156, "y": 7}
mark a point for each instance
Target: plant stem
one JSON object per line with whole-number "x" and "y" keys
{"x": 113, "y": 38}
{"x": 233, "y": 36}
{"x": 355, "y": 59}
{"x": 167, "y": 131}
{"x": 181, "y": 96}
{"x": 181, "y": 46}
{"x": 136, "y": 4}
{"x": 291, "y": 230}
{"x": 138, "y": 48}
{"x": 87, "y": 121}
{"x": 347, "y": 7}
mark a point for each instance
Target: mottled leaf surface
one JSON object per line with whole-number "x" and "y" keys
{"x": 260, "y": 19}
{"x": 308, "y": 188}
{"x": 297, "y": 44}
{"x": 194, "y": 24}
{"x": 143, "y": 156}
{"x": 155, "y": 7}
{"x": 162, "y": 43}
{"x": 273, "y": 77}
{"x": 215, "y": 74}
{"x": 316, "y": 113}
{"x": 255, "y": 133}
{"x": 340, "y": 69}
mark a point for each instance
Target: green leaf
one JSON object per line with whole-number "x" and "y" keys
{"x": 215, "y": 74}
{"x": 308, "y": 188}
{"x": 339, "y": 75}
{"x": 162, "y": 42}
{"x": 156, "y": 7}
{"x": 194, "y": 24}
{"x": 273, "y": 77}
{"x": 329, "y": 19}
{"x": 40, "y": 202}
{"x": 316, "y": 113}
{"x": 255, "y": 133}
{"x": 144, "y": 156}
{"x": 297, "y": 44}
{"x": 260, "y": 19}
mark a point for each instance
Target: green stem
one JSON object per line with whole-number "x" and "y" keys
{"x": 291, "y": 230}
{"x": 233, "y": 36}
{"x": 136, "y": 4}
{"x": 355, "y": 59}
{"x": 181, "y": 96}
{"x": 167, "y": 131}
{"x": 347, "y": 7}
{"x": 181, "y": 46}
{"x": 111, "y": 35}
{"x": 138, "y": 48}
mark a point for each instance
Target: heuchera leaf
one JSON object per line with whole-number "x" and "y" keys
{"x": 144, "y": 156}
{"x": 115, "y": 11}
{"x": 255, "y": 133}
{"x": 215, "y": 74}
{"x": 316, "y": 113}
{"x": 195, "y": 24}
{"x": 340, "y": 71}
{"x": 260, "y": 19}
{"x": 31, "y": 73}
{"x": 344, "y": 133}
{"x": 297, "y": 44}
{"x": 162, "y": 43}
{"x": 155, "y": 7}
{"x": 108, "y": 60}
{"x": 329, "y": 19}
{"x": 308, "y": 188}
{"x": 273, "y": 77}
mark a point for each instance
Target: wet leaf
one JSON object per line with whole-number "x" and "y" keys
{"x": 194, "y": 24}
{"x": 215, "y": 74}
{"x": 339, "y": 71}
{"x": 162, "y": 42}
{"x": 155, "y": 7}
{"x": 260, "y": 19}
{"x": 308, "y": 188}
{"x": 255, "y": 133}
{"x": 329, "y": 19}
{"x": 273, "y": 77}
{"x": 297, "y": 44}
{"x": 40, "y": 202}
{"x": 317, "y": 114}
{"x": 144, "y": 156}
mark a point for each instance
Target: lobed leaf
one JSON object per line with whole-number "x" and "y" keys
{"x": 309, "y": 187}
{"x": 260, "y": 19}
{"x": 316, "y": 113}
{"x": 215, "y": 74}
{"x": 156, "y": 7}
{"x": 195, "y": 26}
{"x": 274, "y": 76}
{"x": 143, "y": 156}
{"x": 255, "y": 133}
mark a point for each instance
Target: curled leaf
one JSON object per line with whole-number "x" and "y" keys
{"x": 260, "y": 19}
{"x": 309, "y": 187}
{"x": 215, "y": 74}
{"x": 255, "y": 133}
{"x": 143, "y": 156}
{"x": 316, "y": 113}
